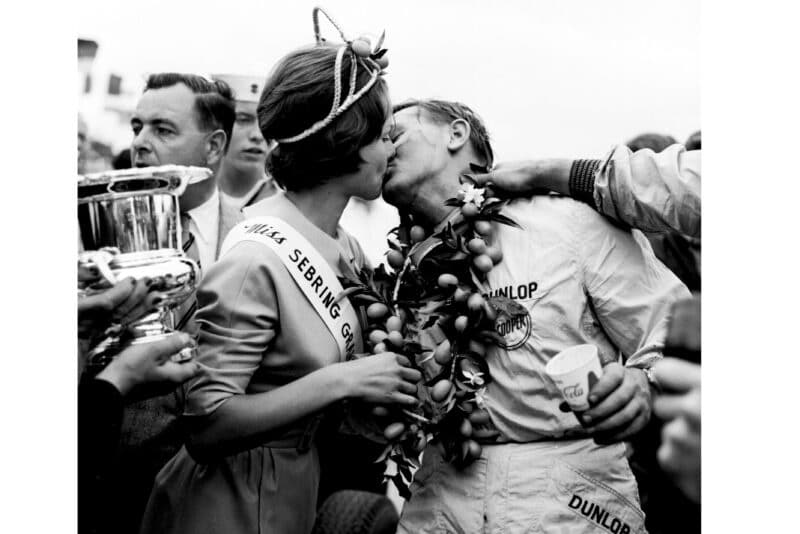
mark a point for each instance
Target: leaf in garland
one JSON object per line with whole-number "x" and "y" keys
{"x": 379, "y": 54}
{"x": 492, "y": 205}
{"x": 502, "y": 219}
{"x": 380, "y": 39}
{"x": 405, "y": 471}
{"x": 402, "y": 489}
{"x": 423, "y": 248}
{"x": 490, "y": 336}
{"x": 479, "y": 168}
{"x": 350, "y": 291}
{"x": 366, "y": 298}
{"x": 385, "y": 453}
{"x": 507, "y": 306}
{"x": 413, "y": 347}
{"x": 394, "y": 244}
{"x": 466, "y": 179}
{"x": 453, "y": 202}
{"x": 431, "y": 306}
{"x": 430, "y": 321}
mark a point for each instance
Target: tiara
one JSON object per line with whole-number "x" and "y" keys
{"x": 371, "y": 58}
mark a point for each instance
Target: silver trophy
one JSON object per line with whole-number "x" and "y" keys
{"x": 130, "y": 227}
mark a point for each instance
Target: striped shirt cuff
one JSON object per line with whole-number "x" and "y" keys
{"x": 581, "y": 180}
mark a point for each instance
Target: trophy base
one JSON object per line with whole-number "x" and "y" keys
{"x": 148, "y": 329}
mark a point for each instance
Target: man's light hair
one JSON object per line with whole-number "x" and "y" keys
{"x": 445, "y": 112}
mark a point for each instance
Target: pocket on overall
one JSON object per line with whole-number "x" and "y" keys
{"x": 588, "y": 504}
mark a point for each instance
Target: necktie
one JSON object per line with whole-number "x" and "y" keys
{"x": 186, "y": 310}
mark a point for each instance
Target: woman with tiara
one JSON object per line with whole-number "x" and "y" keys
{"x": 277, "y": 347}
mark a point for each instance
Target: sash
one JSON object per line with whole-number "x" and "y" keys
{"x": 310, "y": 271}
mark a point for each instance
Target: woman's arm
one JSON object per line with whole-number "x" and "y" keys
{"x": 238, "y": 316}
{"x": 243, "y": 421}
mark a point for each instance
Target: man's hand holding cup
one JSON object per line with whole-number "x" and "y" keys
{"x": 612, "y": 402}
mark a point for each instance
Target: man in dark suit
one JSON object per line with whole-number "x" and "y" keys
{"x": 181, "y": 119}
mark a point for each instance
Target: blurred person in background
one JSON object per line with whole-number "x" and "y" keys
{"x": 83, "y": 144}
{"x": 242, "y": 177}
{"x": 653, "y": 141}
{"x": 180, "y": 119}
{"x": 678, "y": 252}
{"x": 100, "y": 398}
{"x": 693, "y": 143}
{"x": 122, "y": 160}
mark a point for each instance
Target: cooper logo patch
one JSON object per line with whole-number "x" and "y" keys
{"x": 513, "y": 327}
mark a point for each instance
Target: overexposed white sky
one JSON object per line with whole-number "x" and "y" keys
{"x": 565, "y": 78}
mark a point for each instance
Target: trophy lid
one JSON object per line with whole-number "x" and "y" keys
{"x": 169, "y": 179}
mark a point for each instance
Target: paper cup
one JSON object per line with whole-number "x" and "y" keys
{"x": 570, "y": 369}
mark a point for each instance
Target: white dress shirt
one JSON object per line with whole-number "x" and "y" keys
{"x": 204, "y": 224}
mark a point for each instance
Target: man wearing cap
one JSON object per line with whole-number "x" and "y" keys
{"x": 242, "y": 179}
{"x": 181, "y": 119}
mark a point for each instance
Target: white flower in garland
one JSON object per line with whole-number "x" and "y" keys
{"x": 480, "y": 398}
{"x": 469, "y": 193}
{"x": 475, "y": 379}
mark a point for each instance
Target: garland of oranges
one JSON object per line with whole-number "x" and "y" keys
{"x": 430, "y": 305}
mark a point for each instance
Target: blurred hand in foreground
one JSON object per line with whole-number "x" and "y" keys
{"x": 152, "y": 363}
{"x": 679, "y": 407}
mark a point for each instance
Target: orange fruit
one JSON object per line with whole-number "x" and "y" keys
{"x": 465, "y": 429}
{"x": 483, "y": 263}
{"x": 395, "y": 338}
{"x": 469, "y": 210}
{"x": 395, "y": 259}
{"x": 377, "y": 310}
{"x": 475, "y": 302}
{"x": 461, "y": 295}
{"x": 394, "y": 430}
{"x": 377, "y": 336}
{"x": 479, "y": 417}
{"x": 447, "y": 280}
{"x": 483, "y": 227}
{"x": 361, "y": 47}
{"x": 394, "y": 324}
{"x": 441, "y": 390}
{"x": 378, "y": 348}
{"x": 476, "y": 245}
{"x": 461, "y": 323}
{"x": 380, "y": 411}
{"x": 495, "y": 254}
{"x": 417, "y": 234}
{"x": 442, "y": 353}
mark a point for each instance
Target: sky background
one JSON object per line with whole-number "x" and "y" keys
{"x": 566, "y": 78}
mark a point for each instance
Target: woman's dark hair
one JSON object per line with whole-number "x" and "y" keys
{"x": 298, "y": 93}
